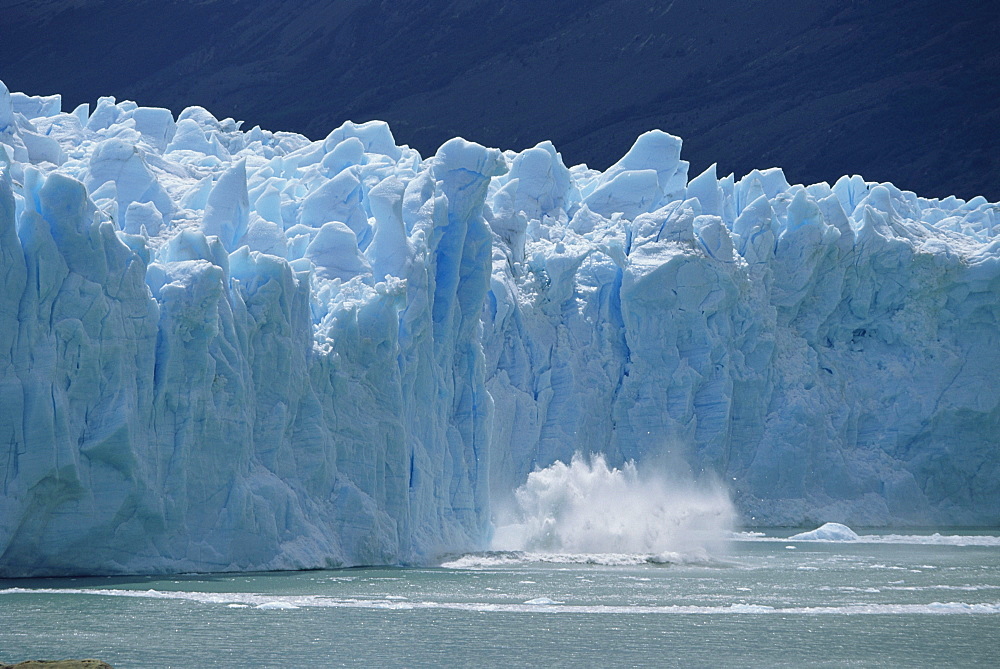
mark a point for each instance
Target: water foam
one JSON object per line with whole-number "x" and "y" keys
{"x": 539, "y": 604}
{"x": 503, "y": 559}
{"x": 587, "y": 507}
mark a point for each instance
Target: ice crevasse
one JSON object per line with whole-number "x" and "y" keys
{"x": 232, "y": 350}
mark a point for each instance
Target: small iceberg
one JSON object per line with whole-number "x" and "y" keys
{"x": 827, "y": 532}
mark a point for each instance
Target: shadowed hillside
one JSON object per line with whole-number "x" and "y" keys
{"x": 900, "y": 90}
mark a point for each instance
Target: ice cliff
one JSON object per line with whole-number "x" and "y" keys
{"x": 225, "y": 349}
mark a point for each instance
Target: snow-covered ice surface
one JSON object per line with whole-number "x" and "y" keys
{"x": 232, "y": 350}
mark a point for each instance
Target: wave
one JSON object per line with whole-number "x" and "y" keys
{"x": 541, "y": 604}
{"x": 500, "y": 559}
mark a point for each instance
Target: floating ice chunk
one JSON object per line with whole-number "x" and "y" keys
{"x": 827, "y": 532}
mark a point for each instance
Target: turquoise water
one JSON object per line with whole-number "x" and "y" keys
{"x": 883, "y": 601}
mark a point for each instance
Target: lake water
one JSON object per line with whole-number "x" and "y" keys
{"x": 886, "y": 600}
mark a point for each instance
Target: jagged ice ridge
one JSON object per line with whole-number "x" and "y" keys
{"x": 229, "y": 350}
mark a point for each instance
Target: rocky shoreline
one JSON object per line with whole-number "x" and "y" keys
{"x": 58, "y": 664}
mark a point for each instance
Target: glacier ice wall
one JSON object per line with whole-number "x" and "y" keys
{"x": 225, "y": 349}
{"x": 832, "y": 351}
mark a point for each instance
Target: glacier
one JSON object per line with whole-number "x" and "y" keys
{"x": 245, "y": 350}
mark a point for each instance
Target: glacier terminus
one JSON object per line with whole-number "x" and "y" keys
{"x": 244, "y": 350}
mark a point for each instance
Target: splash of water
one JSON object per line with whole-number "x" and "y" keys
{"x": 588, "y": 507}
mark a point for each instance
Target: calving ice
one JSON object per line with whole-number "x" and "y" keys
{"x": 242, "y": 350}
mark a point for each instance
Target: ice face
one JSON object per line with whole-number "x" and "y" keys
{"x": 246, "y": 350}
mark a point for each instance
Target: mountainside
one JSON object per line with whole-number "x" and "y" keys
{"x": 242, "y": 350}
{"x": 900, "y": 90}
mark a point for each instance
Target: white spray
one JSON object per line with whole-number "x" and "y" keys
{"x": 587, "y": 507}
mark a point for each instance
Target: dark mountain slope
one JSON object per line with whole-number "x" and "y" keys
{"x": 900, "y": 90}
